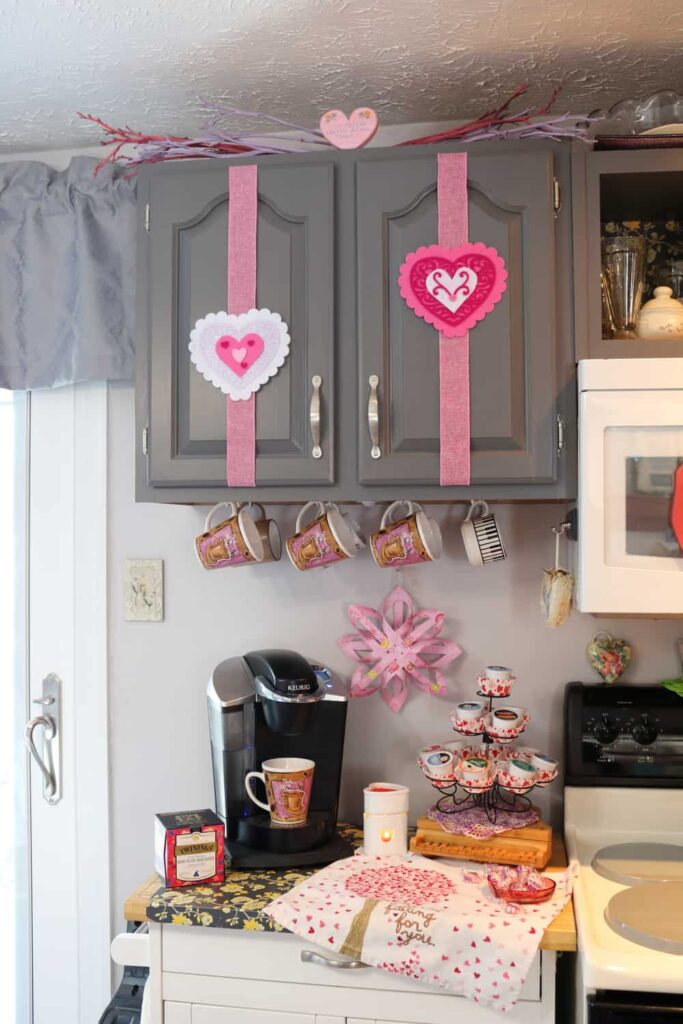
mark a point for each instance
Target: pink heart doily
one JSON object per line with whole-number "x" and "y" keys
{"x": 453, "y": 289}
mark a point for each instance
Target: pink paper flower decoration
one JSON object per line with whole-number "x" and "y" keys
{"x": 396, "y": 645}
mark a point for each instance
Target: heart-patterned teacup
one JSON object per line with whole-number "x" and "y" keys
{"x": 453, "y": 289}
{"x": 609, "y": 657}
{"x": 349, "y": 132}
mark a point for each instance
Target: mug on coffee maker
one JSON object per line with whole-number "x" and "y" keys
{"x": 288, "y": 782}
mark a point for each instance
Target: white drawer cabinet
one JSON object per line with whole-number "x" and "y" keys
{"x": 219, "y": 976}
{"x": 189, "y": 1013}
{"x": 230, "y": 1015}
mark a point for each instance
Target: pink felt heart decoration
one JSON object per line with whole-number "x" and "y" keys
{"x": 239, "y": 354}
{"x": 453, "y": 289}
{"x": 349, "y": 132}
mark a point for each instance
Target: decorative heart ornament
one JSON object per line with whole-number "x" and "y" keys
{"x": 609, "y": 657}
{"x": 239, "y": 352}
{"x": 349, "y": 132}
{"x": 453, "y": 289}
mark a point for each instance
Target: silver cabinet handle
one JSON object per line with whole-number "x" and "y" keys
{"x": 49, "y": 762}
{"x": 308, "y": 956}
{"x": 373, "y": 416}
{"x": 314, "y": 417}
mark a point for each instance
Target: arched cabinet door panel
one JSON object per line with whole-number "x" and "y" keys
{"x": 183, "y": 277}
{"x": 512, "y": 361}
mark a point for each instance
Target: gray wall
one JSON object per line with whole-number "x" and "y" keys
{"x": 159, "y": 671}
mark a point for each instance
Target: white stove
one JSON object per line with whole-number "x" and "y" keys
{"x": 596, "y": 818}
{"x": 623, "y": 791}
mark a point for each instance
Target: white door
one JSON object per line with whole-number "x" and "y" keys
{"x": 15, "y": 957}
{"x": 61, "y": 880}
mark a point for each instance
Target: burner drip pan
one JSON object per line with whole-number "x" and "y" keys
{"x": 640, "y": 863}
{"x": 649, "y": 915}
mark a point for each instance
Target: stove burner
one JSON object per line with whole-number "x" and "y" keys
{"x": 649, "y": 915}
{"x": 638, "y": 863}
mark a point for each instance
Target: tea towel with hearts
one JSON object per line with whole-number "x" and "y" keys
{"x": 433, "y": 922}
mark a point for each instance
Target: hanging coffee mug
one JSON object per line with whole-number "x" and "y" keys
{"x": 269, "y": 532}
{"x": 406, "y": 541}
{"x": 329, "y": 538}
{"x": 481, "y": 536}
{"x": 235, "y": 541}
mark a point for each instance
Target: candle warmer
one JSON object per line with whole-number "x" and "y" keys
{"x": 385, "y": 819}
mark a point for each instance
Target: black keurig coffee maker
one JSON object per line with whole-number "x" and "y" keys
{"x": 273, "y": 704}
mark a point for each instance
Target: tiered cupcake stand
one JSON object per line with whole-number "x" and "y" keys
{"x": 487, "y": 769}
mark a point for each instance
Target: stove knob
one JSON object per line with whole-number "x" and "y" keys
{"x": 605, "y": 731}
{"x": 645, "y": 732}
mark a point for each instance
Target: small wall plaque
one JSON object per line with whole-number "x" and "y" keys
{"x": 143, "y": 589}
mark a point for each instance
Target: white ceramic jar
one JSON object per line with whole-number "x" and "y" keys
{"x": 661, "y": 317}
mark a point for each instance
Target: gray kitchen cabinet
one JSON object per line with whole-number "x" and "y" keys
{"x": 333, "y": 231}
{"x": 183, "y": 276}
{"x": 513, "y": 351}
{"x": 610, "y": 188}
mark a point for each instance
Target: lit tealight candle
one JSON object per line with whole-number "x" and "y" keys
{"x": 385, "y": 821}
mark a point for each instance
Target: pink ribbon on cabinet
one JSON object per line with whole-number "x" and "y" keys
{"x": 242, "y": 221}
{"x": 454, "y": 353}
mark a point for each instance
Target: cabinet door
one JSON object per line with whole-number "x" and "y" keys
{"x": 512, "y": 351}
{"x": 237, "y": 1015}
{"x": 184, "y": 276}
{"x": 643, "y": 186}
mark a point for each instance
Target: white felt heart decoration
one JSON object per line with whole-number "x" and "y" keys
{"x": 238, "y": 352}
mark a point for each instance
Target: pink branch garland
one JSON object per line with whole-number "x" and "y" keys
{"x": 216, "y": 142}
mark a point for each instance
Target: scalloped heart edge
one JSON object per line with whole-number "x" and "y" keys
{"x": 241, "y": 394}
{"x": 449, "y": 330}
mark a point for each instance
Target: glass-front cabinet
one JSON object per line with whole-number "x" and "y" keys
{"x": 630, "y": 487}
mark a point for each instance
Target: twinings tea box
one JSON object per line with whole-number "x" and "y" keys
{"x": 189, "y": 848}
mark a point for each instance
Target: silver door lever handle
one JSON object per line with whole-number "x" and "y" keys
{"x": 47, "y": 770}
{"x": 50, "y": 721}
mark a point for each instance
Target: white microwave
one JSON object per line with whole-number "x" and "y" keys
{"x": 630, "y": 445}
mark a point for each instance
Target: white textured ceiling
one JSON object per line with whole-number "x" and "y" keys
{"x": 146, "y": 64}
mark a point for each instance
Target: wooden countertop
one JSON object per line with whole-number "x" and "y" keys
{"x": 197, "y": 904}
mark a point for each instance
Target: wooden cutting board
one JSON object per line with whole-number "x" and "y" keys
{"x": 531, "y": 845}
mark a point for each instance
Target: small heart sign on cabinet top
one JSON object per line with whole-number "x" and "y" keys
{"x": 609, "y": 657}
{"x": 349, "y": 132}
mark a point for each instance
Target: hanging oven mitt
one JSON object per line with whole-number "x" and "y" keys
{"x": 558, "y": 586}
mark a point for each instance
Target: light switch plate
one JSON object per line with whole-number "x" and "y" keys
{"x": 143, "y": 589}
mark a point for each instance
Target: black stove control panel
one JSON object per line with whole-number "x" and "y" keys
{"x": 621, "y": 735}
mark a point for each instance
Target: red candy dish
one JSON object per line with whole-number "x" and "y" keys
{"x": 539, "y": 893}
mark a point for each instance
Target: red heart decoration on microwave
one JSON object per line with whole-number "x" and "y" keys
{"x": 453, "y": 289}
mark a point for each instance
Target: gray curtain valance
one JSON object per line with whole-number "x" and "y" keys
{"x": 67, "y": 273}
